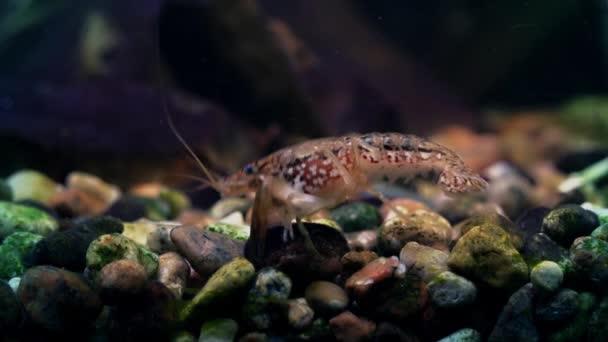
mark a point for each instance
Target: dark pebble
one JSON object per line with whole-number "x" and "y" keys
{"x": 390, "y": 332}
{"x": 128, "y": 208}
{"x": 146, "y": 317}
{"x": 566, "y": 223}
{"x": 516, "y": 321}
{"x": 57, "y": 299}
{"x": 68, "y": 248}
{"x": 297, "y": 261}
{"x": 559, "y": 307}
{"x": 11, "y": 311}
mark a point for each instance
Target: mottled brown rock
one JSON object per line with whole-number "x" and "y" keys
{"x": 426, "y": 262}
{"x": 121, "y": 279}
{"x": 326, "y": 298}
{"x": 206, "y": 251}
{"x": 173, "y": 272}
{"x": 424, "y": 227}
{"x": 57, "y": 299}
{"x": 354, "y": 261}
{"x": 350, "y": 328}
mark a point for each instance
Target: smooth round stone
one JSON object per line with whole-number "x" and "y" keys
{"x": 558, "y": 308}
{"x": 357, "y": 216}
{"x": 547, "y": 276}
{"x": 299, "y": 313}
{"x": 87, "y": 194}
{"x": 326, "y": 297}
{"x": 566, "y": 223}
{"x": 32, "y": 185}
{"x": 449, "y": 290}
{"x": 177, "y": 200}
{"x": 463, "y": 335}
{"x": 348, "y": 327}
{"x": 57, "y": 299}
{"x": 271, "y": 287}
{"x": 128, "y": 208}
{"x": 205, "y": 251}
{"x": 120, "y": 279}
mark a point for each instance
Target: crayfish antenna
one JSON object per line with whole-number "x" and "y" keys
{"x": 211, "y": 180}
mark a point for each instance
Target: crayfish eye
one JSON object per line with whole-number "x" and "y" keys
{"x": 250, "y": 169}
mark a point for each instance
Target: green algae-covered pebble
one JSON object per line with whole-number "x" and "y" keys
{"x": 22, "y": 242}
{"x": 357, "y": 216}
{"x": 226, "y": 282}
{"x": 486, "y": 254}
{"x": 11, "y": 264}
{"x": 234, "y": 231}
{"x": 566, "y": 223}
{"x": 449, "y": 290}
{"x": 576, "y": 329}
{"x": 34, "y": 185}
{"x": 598, "y": 324}
{"x": 601, "y": 232}
{"x": 178, "y": 201}
{"x": 12, "y": 251}
{"x": 219, "y": 330}
{"x": 21, "y": 218}
{"x": 589, "y": 256}
{"x": 547, "y": 276}
{"x": 157, "y": 209}
{"x": 6, "y": 193}
{"x": 112, "y": 247}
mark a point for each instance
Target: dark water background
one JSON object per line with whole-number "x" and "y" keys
{"x": 86, "y": 83}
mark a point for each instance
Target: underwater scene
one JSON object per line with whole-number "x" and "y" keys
{"x": 303, "y": 170}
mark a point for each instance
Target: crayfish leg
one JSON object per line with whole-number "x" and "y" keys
{"x": 255, "y": 247}
{"x": 310, "y": 246}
